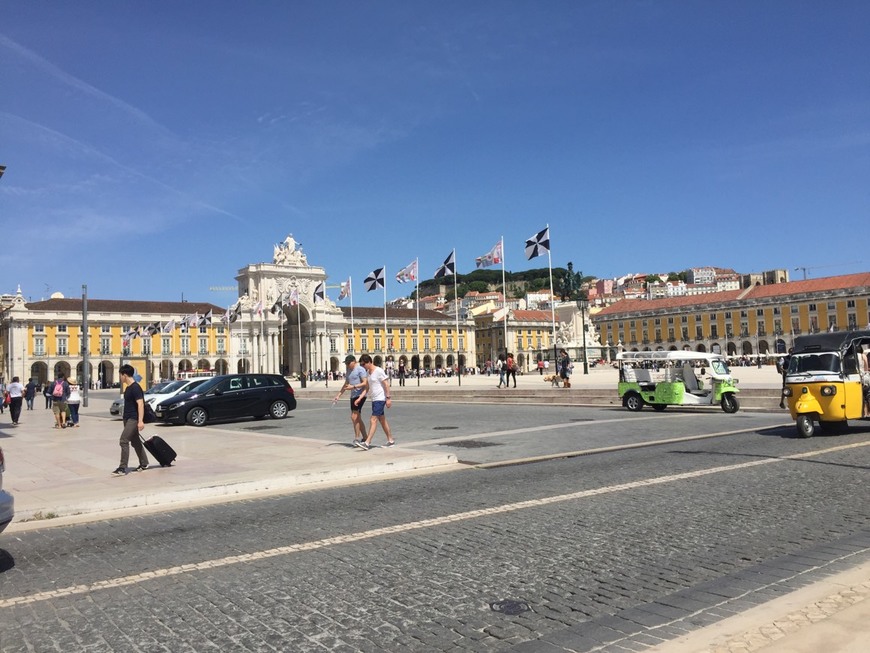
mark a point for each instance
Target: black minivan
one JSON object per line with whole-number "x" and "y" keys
{"x": 230, "y": 396}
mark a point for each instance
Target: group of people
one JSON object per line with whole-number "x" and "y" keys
{"x": 61, "y": 397}
{"x": 365, "y": 380}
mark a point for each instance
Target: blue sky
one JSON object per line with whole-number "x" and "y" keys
{"x": 155, "y": 148}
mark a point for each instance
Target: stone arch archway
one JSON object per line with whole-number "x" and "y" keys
{"x": 39, "y": 372}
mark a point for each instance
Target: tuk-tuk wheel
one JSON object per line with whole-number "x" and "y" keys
{"x": 633, "y": 401}
{"x": 659, "y": 407}
{"x": 805, "y": 426}
{"x": 729, "y": 403}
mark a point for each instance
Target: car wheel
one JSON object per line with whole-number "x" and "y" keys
{"x": 659, "y": 407}
{"x": 805, "y": 426}
{"x": 278, "y": 410}
{"x": 633, "y": 401}
{"x": 197, "y": 416}
{"x": 730, "y": 403}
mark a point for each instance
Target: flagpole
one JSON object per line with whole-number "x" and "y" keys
{"x": 456, "y": 309}
{"x": 386, "y": 337}
{"x": 229, "y": 338}
{"x": 417, "y": 338}
{"x": 504, "y": 300}
{"x": 552, "y": 298}
{"x": 323, "y": 353}
{"x": 352, "y": 332}
{"x": 302, "y": 381}
{"x": 262, "y": 347}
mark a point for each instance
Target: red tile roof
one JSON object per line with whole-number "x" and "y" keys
{"x": 74, "y": 305}
{"x": 859, "y": 282}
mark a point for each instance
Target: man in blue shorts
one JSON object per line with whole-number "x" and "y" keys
{"x": 379, "y": 393}
{"x": 357, "y": 380}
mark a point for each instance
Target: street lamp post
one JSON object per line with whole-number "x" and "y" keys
{"x": 583, "y": 304}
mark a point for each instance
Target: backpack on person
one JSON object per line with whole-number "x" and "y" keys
{"x": 58, "y": 389}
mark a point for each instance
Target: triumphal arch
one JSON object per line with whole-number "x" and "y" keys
{"x": 279, "y": 324}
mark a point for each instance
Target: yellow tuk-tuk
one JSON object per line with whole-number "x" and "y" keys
{"x": 827, "y": 380}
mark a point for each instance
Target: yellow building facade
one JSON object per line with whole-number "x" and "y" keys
{"x": 759, "y": 320}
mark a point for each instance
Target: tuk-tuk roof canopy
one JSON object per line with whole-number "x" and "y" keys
{"x": 669, "y": 355}
{"x": 839, "y": 341}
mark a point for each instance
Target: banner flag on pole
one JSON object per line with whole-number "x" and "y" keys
{"x": 258, "y": 309}
{"x": 206, "y": 319}
{"x": 345, "y": 289}
{"x": 276, "y": 307}
{"x": 320, "y": 293}
{"x": 236, "y": 311}
{"x": 375, "y": 280}
{"x": 408, "y": 273}
{"x": 448, "y": 267}
{"x": 169, "y": 327}
{"x": 492, "y": 258}
{"x": 293, "y": 298}
{"x": 539, "y": 244}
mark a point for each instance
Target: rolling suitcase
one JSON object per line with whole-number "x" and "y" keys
{"x": 162, "y": 452}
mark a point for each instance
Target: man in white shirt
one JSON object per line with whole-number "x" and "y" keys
{"x": 379, "y": 395}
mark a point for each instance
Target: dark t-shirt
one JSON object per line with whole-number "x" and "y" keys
{"x": 131, "y": 394}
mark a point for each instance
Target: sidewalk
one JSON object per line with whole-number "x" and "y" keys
{"x": 66, "y": 473}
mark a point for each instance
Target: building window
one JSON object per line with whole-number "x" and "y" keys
{"x": 402, "y": 342}
{"x": 333, "y": 347}
{"x": 221, "y": 329}
{"x": 759, "y": 312}
{"x": 221, "y": 346}
{"x": 203, "y": 345}
{"x": 39, "y": 346}
{"x": 146, "y": 346}
{"x": 105, "y": 328}
{"x": 125, "y": 350}
{"x": 814, "y": 324}
{"x": 377, "y": 342}
{"x": 39, "y": 328}
{"x": 203, "y": 329}
{"x": 812, "y": 307}
{"x": 714, "y": 331}
{"x": 449, "y": 343}
{"x": 727, "y": 315}
{"x": 364, "y": 343}
{"x": 62, "y": 347}
{"x": 167, "y": 345}
{"x": 850, "y": 303}
{"x": 853, "y": 320}
{"x": 105, "y": 346}
{"x": 426, "y": 342}
{"x": 832, "y": 323}
{"x": 795, "y": 325}
{"x": 699, "y": 332}
{"x": 832, "y": 306}
{"x": 185, "y": 345}
{"x": 61, "y": 328}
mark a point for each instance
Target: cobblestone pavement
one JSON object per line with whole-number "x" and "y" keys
{"x": 611, "y": 552}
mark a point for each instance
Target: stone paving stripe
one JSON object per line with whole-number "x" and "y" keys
{"x": 403, "y": 528}
{"x": 613, "y": 448}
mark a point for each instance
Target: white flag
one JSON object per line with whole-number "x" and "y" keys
{"x": 538, "y": 245}
{"x": 375, "y": 280}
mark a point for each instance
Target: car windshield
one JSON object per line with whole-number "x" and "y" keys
{"x": 157, "y": 387}
{"x": 810, "y": 363}
{"x": 719, "y": 366}
{"x": 172, "y": 386}
{"x": 195, "y": 384}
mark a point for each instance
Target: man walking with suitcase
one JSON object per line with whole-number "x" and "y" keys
{"x": 134, "y": 421}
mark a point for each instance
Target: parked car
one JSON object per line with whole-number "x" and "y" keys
{"x": 7, "y": 503}
{"x": 230, "y": 396}
{"x": 166, "y": 390}
{"x": 117, "y": 406}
